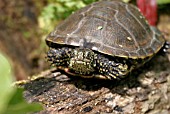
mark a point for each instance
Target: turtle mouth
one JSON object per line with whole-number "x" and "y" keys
{"x": 72, "y": 73}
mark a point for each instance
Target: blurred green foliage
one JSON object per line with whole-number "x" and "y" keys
{"x": 57, "y": 10}
{"x": 163, "y": 2}
{"x": 11, "y": 98}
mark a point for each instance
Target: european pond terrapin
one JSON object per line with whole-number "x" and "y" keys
{"x": 106, "y": 39}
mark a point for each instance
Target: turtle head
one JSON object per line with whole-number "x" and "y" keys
{"x": 75, "y": 61}
{"x": 82, "y": 61}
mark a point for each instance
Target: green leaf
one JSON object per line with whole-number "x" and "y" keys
{"x": 17, "y": 105}
{"x": 11, "y": 99}
{"x": 5, "y": 82}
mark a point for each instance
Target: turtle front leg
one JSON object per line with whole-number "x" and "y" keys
{"x": 110, "y": 69}
{"x": 58, "y": 56}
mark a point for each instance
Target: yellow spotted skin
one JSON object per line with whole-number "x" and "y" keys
{"x": 83, "y": 61}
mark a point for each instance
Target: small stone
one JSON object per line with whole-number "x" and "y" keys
{"x": 129, "y": 38}
{"x": 120, "y": 45}
{"x": 99, "y": 27}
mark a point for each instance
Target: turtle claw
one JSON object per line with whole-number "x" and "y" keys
{"x": 166, "y": 47}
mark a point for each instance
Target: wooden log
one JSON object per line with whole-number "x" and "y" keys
{"x": 146, "y": 90}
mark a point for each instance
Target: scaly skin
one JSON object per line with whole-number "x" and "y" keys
{"x": 110, "y": 68}
{"x": 86, "y": 63}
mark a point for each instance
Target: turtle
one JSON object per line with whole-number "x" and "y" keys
{"x": 106, "y": 40}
